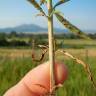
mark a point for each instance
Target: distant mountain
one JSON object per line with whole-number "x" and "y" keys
{"x": 29, "y": 28}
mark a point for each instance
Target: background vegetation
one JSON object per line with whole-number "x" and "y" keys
{"x": 25, "y": 40}
{"x": 16, "y": 61}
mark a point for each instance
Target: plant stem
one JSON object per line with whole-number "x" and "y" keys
{"x": 51, "y": 46}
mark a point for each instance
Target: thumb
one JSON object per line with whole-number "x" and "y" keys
{"x": 37, "y": 81}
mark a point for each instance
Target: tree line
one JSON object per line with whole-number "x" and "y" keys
{"x": 14, "y": 39}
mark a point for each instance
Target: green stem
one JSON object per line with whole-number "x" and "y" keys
{"x": 51, "y": 46}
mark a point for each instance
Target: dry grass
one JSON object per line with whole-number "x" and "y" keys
{"x": 20, "y": 53}
{"x": 17, "y": 65}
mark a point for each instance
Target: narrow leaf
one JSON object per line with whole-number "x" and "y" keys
{"x": 71, "y": 27}
{"x": 36, "y": 5}
{"x": 60, "y": 2}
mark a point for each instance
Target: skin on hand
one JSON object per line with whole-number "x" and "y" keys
{"x": 37, "y": 81}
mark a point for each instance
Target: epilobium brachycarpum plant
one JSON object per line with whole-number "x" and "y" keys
{"x": 52, "y": 11}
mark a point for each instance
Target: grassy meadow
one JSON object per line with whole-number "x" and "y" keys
{"x": 15, "y": 63}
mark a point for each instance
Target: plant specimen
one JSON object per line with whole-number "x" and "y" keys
{"x": 52, "y": 52}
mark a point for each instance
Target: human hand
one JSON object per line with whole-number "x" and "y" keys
{"x": 37, "y": 81}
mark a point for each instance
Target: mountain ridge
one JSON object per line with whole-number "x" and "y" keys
{"x": 27, "y": 28}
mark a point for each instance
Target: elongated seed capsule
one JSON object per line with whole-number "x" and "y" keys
{"x": 71, "y": 27}
{"x": 42, "y": 2}
{"x": 60, "y": 2}
{"x": 36, "y": 5}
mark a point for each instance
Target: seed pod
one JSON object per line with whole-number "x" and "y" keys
{"x": 71, "y": 27}
{"x": 60, "y": 2}
{"x": 36, "y": 5}
{"x": 42, "y": 2}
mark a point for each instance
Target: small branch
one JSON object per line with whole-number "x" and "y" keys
{"x": 86, "y": 66}
{"x": 42, "y": 14}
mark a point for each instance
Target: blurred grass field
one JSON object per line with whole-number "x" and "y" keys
{"x": 15, "y": 63}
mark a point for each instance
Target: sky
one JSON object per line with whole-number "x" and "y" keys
{"x": 81, "y": 13}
